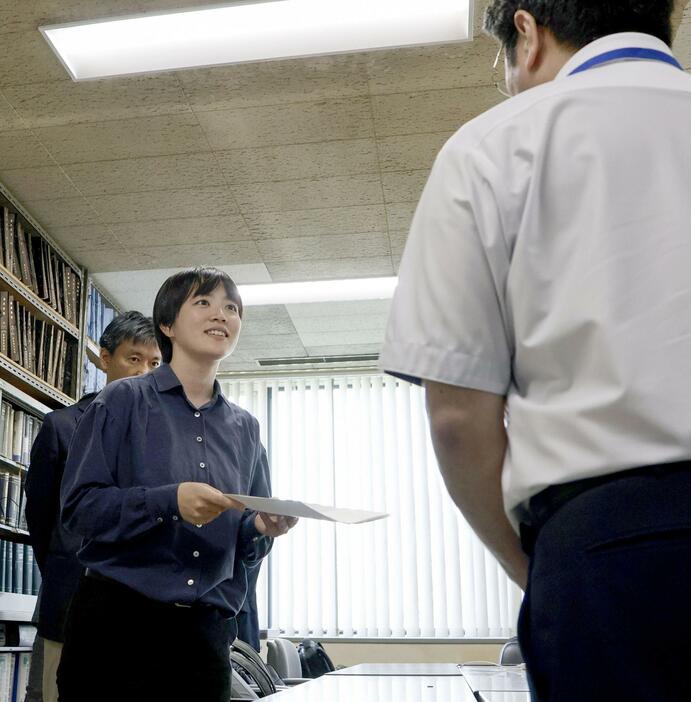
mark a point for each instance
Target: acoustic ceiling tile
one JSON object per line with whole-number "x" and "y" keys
{"x": 43, "y": 182}
{"x": 340, "y": 191}
{"x": 19, "y": 148}
{"x": 182, "y": 171}
{"x": 66, "y": 102}
{"x": 165, "y": 204}
{"x": 411, "y": 152}
{"x": 27, "y": 58}
{"x": 431, "y": 111}
{"x": 271, "y": 83}
{"x": 316, "y": 222}
{"x": 334, "y": 246}
{"x": 330, "y": 269}
{"x": 65, "y": 212}
{"x": 404, "y": 186}
{"x": 181, "y": 231}
{"x": 291, "y": 162}
{"x": 122, "y": 139}
{"x": 297, "y": 123}
{"x": 411, "y": 69}
{"x": 399, "y": 215}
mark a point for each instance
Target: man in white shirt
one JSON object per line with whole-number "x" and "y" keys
{"x": 547, "y": 278}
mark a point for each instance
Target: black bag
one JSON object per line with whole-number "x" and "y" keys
{"x": 314, "y": 660}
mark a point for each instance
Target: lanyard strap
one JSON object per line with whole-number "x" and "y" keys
{"x": 630, "y": 53}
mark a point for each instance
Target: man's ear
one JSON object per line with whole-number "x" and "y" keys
{"x": 106, "y": 359}
{"x": 168, "y": 331}
{"x": 530, "y": 40}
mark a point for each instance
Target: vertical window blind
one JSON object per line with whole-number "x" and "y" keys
{"x": 363, "y": 442}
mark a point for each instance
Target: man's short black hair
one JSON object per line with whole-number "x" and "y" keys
{"x": 130, "y": 326}
{"x": 202, "y": 280}
{"x": 576, "y": 23}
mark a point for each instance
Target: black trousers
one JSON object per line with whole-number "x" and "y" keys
{"x": 123, "y": 647}
{"x": 607, "y": 612}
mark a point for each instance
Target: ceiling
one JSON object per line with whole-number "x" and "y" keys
{"x": 278, "y": 171}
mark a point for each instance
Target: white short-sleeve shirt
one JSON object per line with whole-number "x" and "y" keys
{"x": 549, "y": 261}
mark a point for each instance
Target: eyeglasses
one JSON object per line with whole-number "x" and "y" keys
{"x": 497, "y": 77}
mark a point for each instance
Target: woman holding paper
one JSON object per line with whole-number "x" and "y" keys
{"x": 165, "y": 550}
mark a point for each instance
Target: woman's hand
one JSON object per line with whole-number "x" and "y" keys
{"x": 199, "y": 503}
{"x": 273, "y": 524}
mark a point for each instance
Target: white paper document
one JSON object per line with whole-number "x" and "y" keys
{"x": 294, "y": 508}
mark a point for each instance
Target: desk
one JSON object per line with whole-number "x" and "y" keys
{"x": 495, "y": 678}
{"x": 384, "y": 688}
{"x": 410, "y": 669}
{"x": 504, "y": 696}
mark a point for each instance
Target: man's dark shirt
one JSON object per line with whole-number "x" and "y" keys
{"x": 55, "y": 549}
{"x": 135, "y": 444}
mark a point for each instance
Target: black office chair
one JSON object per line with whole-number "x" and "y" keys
{"x": 260, "y": 675}
{"x": 511, "y": 653}
{"x": 283, "y": 657}
{"x": 254, "y": 675}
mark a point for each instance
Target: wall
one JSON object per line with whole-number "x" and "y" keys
{"x": 348, "y": 653}
{"x": 352, "y": 653}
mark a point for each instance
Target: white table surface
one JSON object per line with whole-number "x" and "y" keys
{"x": 495, "y": 678}
{"x": 385, "y": 688}
{"x": 504, "y": 696}
{"x": 433, "y": 669}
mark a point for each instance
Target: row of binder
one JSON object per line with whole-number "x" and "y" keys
{"x": 19, "y": 571}
{"x": 40, "y": 347}
{"x": 12, "y": 500}
{"x": 18, "y": 429}
{"x": 33, "y": 261}
{"x": 14, "y": 675}
{"x": 100, "y": 314}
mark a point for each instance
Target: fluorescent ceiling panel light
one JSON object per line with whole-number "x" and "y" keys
{"x": 318, "y": 291}
{"x": 253, "y": 31}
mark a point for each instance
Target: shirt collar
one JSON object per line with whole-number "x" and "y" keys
{"x": 623, "y": 40}
{"x": 165, "y": 380}
{"x": 85, "y": 401}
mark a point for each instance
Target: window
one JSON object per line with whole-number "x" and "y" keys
{"x": 363, "y": 441}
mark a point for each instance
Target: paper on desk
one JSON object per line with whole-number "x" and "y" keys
{"x": 294, "y": 508}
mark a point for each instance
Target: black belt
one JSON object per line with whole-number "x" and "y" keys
{"x": 94, "y": 575}
{"x": 545, "y": 504}
{"x": 97, "y": 576}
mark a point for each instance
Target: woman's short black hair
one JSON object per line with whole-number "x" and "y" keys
{"x": 576, "y": 23}
{"x": 201, "y": 280}
{"x": 130, "y": 326}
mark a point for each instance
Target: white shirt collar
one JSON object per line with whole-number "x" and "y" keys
{"x": 609, "y": 43}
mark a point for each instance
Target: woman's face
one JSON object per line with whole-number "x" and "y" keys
{"x": 207, "y": 326}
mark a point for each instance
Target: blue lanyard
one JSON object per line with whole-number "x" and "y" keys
{"x": 630, "y": 53}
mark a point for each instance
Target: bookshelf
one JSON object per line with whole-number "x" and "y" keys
{"x": 41, "y": 310}
{"x": 16, "y": 640}
{"x": 16, "y": 608}
{"x": 92, "y": 352}
{"x": 42, "y": 321}
{"x": 100, "y": 311}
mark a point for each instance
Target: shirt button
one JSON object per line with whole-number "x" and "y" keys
{"x": 175, "y": 517}
{"x": 197, "y": 414}
{"x": 190, "y": 582}
{"x": 195, "y": 554}
{"x": 202, "y": 465}
{"x": 199, "y": 438}
{"x": 159, "y": 520}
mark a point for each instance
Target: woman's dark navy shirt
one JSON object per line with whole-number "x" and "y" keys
{"x": 137, "y": 441}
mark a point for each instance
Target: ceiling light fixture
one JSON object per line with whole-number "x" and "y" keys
{"x": 318, "y": 291}
{"x": 253, "y": 31}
